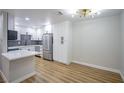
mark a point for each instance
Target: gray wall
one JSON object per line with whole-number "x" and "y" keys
{"x": 122, "y": 40}
{"x": 98, "y": 42}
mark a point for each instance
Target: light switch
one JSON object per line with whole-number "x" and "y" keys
{"x": 62, "y": 40}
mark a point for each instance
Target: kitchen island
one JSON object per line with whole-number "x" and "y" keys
{"x": 37, "y": 48}
{"x": 18, "y": 65}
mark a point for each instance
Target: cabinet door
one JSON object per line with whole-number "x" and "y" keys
{"x": 37, "y": 48}
{"x": 39, "y": 34}
{"x": 28, "y": 48}
{"x": 32, "y": 48}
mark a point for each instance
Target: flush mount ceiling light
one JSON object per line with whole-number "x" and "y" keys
{"x": 84, "y": 12}
{"x": 27, "y": 18}
{"x": 59, "y": 13}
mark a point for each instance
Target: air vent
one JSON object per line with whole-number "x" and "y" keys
{"x": 59, "y": 13}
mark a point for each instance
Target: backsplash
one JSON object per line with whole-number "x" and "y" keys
{"x": 23, "y": 42}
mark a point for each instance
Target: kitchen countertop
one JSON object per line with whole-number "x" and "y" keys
{"x": 23, "y": 46}
{"x": 18, "y": 54}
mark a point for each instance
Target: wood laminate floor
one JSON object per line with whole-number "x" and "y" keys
{"x": 55, "y": 72}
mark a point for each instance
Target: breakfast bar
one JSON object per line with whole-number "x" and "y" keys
{"x": 18, "y": 65}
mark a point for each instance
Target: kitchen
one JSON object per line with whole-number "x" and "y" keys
{"x": 24, "y": 42}
{"x": 26, "y": 37}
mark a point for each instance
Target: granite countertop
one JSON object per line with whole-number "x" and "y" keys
{"x": 18, "y": 54}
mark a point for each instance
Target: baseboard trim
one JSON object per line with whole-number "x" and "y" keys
{"x": 61, "y": 62}
{"x": 3, "y": 77}
{"x": 24, "y": 77}
{"x": 97, "y": 66}
{"x": 122, "y": 76}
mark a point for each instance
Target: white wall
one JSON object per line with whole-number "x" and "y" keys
{"x": 61, "y": 52}
{"x": 122, "y": 41}
{"x": 97, "y": 42}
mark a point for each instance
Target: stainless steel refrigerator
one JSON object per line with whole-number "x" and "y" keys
{"x": 48, "y": 46}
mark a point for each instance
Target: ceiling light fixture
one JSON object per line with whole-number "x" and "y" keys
{"x": 27, "y": 18}
{"x": 84, "y": 12}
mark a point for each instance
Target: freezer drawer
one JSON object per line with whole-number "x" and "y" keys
{"x": 48, "y": 55}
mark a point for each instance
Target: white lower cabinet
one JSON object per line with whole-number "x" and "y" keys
{"x": 31, "y": 48}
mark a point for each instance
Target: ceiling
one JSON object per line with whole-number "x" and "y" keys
{"x": 40, "y": 17}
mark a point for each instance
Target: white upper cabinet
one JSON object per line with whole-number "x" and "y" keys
{"x": 39, "y": 33}
{"x": 11, "y": 21}
{"x": 48, "y": 29}
{"x": 36, "y": 34}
